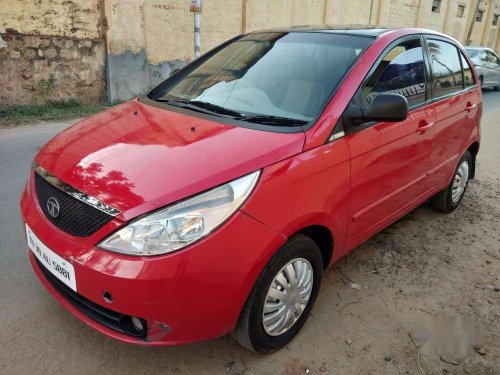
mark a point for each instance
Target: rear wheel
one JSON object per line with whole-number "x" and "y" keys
{"x": 282, "y": 297}
{"x": 449, "y": 199}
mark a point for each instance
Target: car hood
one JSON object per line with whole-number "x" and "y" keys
{"x": 137, "y": 158}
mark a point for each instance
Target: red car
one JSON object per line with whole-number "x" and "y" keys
{"x": 215, "y": 203}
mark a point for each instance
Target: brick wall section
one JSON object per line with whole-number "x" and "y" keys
{"x": 78, "y": 68}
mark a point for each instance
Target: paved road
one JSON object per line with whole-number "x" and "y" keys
{"x": 39, "y": 336}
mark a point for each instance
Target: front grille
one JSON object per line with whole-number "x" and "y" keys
{"x": 108, "y": 318}
{"x": 75, "y": 217}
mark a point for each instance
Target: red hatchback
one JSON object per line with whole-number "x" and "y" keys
{"x": 214, "y": 203}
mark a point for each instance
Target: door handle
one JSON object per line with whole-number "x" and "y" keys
{"x": 470, "y": 107}
{"x": 423, "y": 126}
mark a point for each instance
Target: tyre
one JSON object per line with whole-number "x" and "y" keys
{"x": 282, "y": 297}
{"x": 497, "y": 87}
{"x": 449, "y": 199}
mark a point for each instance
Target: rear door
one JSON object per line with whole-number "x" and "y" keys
{"x": 454, "y": 101}
{"x": 390, "y": 160}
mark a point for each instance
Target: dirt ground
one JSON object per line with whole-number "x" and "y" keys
{"x": 429, "y": 264}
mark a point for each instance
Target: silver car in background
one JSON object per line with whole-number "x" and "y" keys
{"x": 487, "y": 65}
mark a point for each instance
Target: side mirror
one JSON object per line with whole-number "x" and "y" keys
{"x": 383, "y": 108}
{"x": 388, "y": 108}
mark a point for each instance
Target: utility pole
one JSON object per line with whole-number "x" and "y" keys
{"x": 196, "y": 9}
{"x": 468, "y": 41}
{"x": 371, "y": 11}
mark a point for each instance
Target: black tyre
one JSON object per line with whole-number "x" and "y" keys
{"x": 449, "y": 199}
{"x": 277, "y": 307}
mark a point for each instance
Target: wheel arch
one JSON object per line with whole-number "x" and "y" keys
{"x": 473, "y": 149}
{"x": 323, "y": 237}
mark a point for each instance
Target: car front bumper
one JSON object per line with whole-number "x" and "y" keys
{"x": 194, "y": 294}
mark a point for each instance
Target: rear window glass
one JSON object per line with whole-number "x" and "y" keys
{"x": 446, "y": 67}
{"x": 468, "y": 75}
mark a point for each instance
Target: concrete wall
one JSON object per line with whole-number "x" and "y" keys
{"x": 71, "y": 18}
{"x": 146, "y": 39}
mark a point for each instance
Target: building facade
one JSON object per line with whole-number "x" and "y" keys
{"x": 95, "y": 50}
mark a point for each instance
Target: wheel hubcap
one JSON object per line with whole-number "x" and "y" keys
{"x": 287, "y": 296}
{"x": 460, "y": 182}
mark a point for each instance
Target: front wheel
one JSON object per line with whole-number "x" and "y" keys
{"x": 282, "y": 297}
{"x": 449, "y": 199}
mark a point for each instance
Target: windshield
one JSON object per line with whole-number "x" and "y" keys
{"x": 270, "y": 77}
{"x": 473, "y": 53}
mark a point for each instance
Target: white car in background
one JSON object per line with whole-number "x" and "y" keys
{"x": 487, "y": 65}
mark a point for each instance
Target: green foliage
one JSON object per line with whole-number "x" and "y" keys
{"x": 51, "y": 110}
{"x": 47, "y": 86}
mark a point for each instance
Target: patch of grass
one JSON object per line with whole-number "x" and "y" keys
{"x": 60, "y": 110}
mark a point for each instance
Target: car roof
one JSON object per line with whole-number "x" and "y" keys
{"x": 371, "y": 31}
{"x": 361, "y": 30}
{"x": 472, "y": 48}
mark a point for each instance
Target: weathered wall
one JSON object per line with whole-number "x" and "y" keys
{"x": 483, "y": 30}
{"x": 29, "y": 63}
{"x": 146, "y": 39}
{"x": 51, "y": 40}
{"x": 75, "y": 18}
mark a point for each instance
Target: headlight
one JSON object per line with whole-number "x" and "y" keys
{"x": 182, "y": 223}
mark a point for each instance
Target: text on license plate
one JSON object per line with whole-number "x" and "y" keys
{"x": 58, "y": 266}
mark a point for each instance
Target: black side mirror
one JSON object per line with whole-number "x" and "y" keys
{"x": 383, "y": 108}
{"x": 387, "y": 107}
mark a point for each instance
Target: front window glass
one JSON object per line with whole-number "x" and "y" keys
{"x": 492, "y": 58}
{"x": 446, "y": 67}
{"x": 401, "y": 71}
{"x": 266, "y": 77}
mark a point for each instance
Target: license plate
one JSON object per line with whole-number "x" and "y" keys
{"x": 59, "y": 267}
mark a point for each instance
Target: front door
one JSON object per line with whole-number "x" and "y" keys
{"x": 390, "y": 160}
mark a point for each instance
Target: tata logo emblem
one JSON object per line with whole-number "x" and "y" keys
{"x": 53, "y": 207}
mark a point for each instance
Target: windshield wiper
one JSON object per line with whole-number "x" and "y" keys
{"x": 202, "y": 107}
{"x": 274, "y": 120}
{"x": 217, "y": 108}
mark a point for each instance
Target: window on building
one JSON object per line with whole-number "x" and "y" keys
{"x": 436, "y": 6}
{"x": 479, "y": 16}
{"x": 401, "y": 71}
{"x": 446, "y": 67}
{"x": 461, "y": 11}
{"x": 495, "y": 20}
